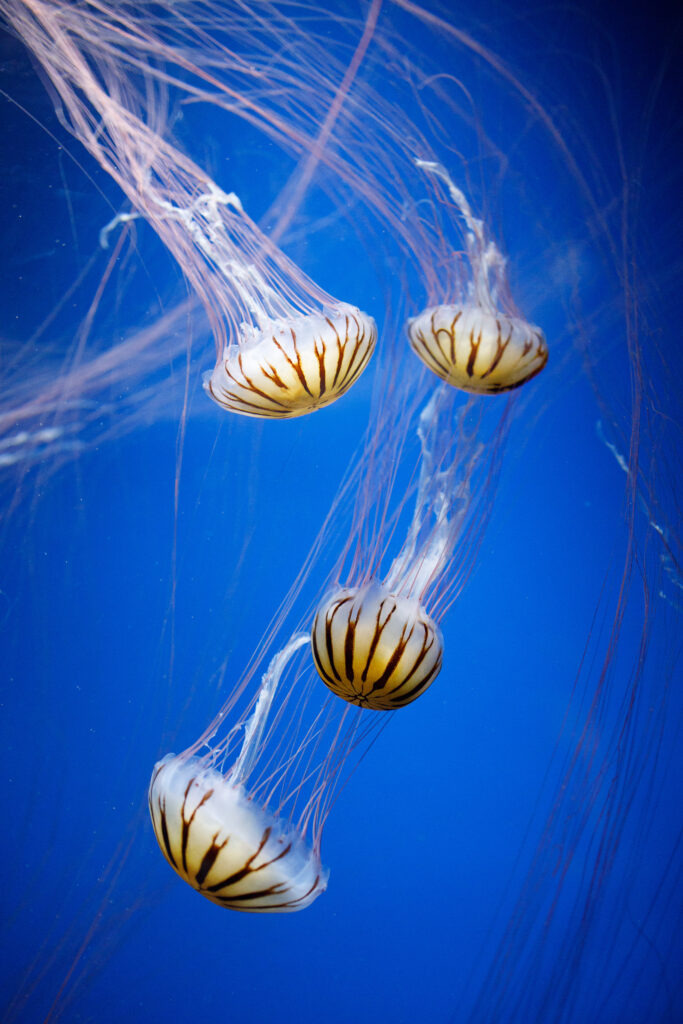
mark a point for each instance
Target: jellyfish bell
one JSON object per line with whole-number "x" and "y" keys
{"x": 474, "y": 346}
{"x": 227, "y": 847}
{"x": 375, "y": 648}
{"x": 290, "y": 367}
{"x": 478, "y": 350}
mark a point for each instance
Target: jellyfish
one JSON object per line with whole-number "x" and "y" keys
{"x": 375, "y": 646}
{"x": 219, "y": 840}
{"x": 239, "y": 815}
{"x": 284, "y": 346}
{"x": 374, "y": 643}
{"x": 473, "y": 345}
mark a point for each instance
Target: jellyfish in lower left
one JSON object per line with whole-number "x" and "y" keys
{"x": 220, "y": 839}
{"x": 239, "y": 815}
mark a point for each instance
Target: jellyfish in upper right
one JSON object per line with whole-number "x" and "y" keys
{"x": 473, "y": 345}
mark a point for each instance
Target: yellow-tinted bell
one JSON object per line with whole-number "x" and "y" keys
{"x": 478, "y": 351}
{"x": 295, "y": 366}
{"x": 375, "y": 649}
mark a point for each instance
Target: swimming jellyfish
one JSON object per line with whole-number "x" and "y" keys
{"x": 284, "y": 346}
{"x": 473, "y": 345}
{"x": 374, "y": 643}
{"x": 225, "y": 845}
{"x": 239, "y": 815}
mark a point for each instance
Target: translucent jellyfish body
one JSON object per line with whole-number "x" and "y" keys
{"x": 221, "y": 819}
{"x": 375, "y": 648}
{"x": 284, "y": 346}
{"x": 473, "y": 345}
{"x": 227, "y": 847}
{"x": 376, "y": 642}
{"x": 477, "y": 350}
{"x": 295, "y": 366}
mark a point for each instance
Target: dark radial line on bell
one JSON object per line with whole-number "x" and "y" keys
{"x": 246, "y": 870}
{"x": 340, "y": 353}
{"x": 383, "y": 680}
{"x": 187, "y": 822}
{"x": 166, "y": 838}
{"x": 349, "y": 641}
{"x": 329, "y": 620}
{"x": 425, "y": 648}
{"x": 251, "y": 386}
{"x": 330, "y": 680}
{"x": 295, "y": 364}
{"x": 452, "y": 333}
{"x": 269, "y": 371}
{"x": 209, "y": 859}
{"x": 406, "y": 697}
{"x": 474, "y": 349}
{"x": 320, "y": 355}
{"x": 501, "y": 347}
{"x": 249, "y": 870}
{"x": 377, "y": 635}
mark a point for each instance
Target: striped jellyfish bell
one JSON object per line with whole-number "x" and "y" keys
{"x": 375, "y": 648}
{"x": 293, "y": 366}
{"x": 478, "y": 350}
{"x": 226, "y": 846}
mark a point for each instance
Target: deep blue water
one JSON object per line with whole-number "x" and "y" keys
{"x": 109, "y": 654}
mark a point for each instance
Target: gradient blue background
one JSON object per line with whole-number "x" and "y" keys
{"x": 428, "y": 843}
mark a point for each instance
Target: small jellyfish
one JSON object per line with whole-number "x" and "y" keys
{"x": 376, "y": 644}
{"x": 220, "y": 839}
{"x": 473, "y": 345}
{"x": 374, "y": 647}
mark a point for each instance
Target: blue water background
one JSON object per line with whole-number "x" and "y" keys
{"x": 103, "y": 670}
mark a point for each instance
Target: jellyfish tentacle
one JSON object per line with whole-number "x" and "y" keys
{"x": 253, "y": 730}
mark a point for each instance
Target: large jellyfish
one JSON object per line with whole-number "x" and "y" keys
{"x": 284, "y": 346}
{"x": 220, "y": 839}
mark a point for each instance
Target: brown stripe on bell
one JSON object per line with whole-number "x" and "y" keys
{"x": 293, "y": 366}
{"x": 225, "y": 845}
{"x": 477, "y": 350}
{"x": 374, "y": 648}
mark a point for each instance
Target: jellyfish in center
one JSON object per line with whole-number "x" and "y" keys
{"x": 374, "y": 642}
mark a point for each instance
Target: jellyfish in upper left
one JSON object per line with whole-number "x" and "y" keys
{"x": 284, "y": 347}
